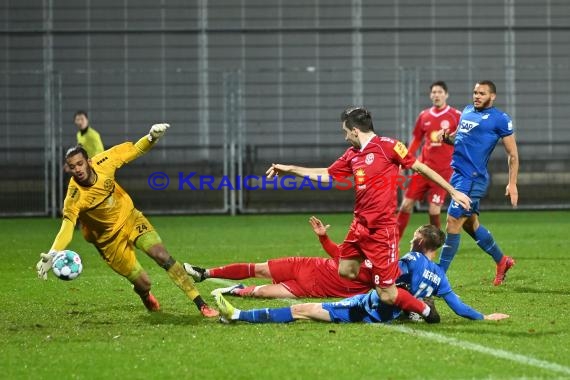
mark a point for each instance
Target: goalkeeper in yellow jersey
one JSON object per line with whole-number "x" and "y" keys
{"x": 112, "y": 224}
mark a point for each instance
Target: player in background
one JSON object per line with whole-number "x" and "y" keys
{"x": 480, "y": 128}
{"x": 434, "y": 153}
{"x": 293, "y": 277}
{"x": 423, "y": 277}
{"x": 112, "y": 224}
{"x": 87, "y": 136}
{"x": 374, "y": 163}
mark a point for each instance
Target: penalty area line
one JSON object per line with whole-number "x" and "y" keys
{"x": 518, "y": 358}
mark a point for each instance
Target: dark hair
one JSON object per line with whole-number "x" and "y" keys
{"x": 433, "y": 237}
{"x": 438, "y": 83}
{"x": 78, "y": 149}
{"x": 490, "y": 84}
{"x": 357, "y": 117}
{"x": 80, "y": 112}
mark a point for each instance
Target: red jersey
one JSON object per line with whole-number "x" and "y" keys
{"x": 375, "y": 168}
{"x": 318, "y": 276}
{"x": 436, "y": 154}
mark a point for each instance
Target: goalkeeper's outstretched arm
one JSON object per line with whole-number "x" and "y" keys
{"x": 61, "y": 241}
{"x": 148, "y": 141}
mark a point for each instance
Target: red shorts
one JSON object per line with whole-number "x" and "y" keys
{"x": 421, "y": 188}
{"x": 379, "y": 245}
{"x": 294, "y": 273}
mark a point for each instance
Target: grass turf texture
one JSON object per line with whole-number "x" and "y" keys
{"x": 96, "y": 327}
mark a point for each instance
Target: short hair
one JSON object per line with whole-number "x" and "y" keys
{"x": 357, "y": 117}
{"x": 433, "y": 237}
{"x": 78, "y": 149}
{"x": 80, "y": 112}
{"x": 438, "y": 83}
{"x": 490, "y": 84}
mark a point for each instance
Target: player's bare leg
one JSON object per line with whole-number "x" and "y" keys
{"x": 141, "y": 286}
{"x": 258, "y": 291}
{"x": 349, "y": 268}
{"x": 313, "y": 311}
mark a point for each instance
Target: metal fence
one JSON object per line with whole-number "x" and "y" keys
{"x": 231, "y": 125}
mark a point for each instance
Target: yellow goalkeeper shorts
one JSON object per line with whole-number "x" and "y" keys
{"x": 119, "y": 253}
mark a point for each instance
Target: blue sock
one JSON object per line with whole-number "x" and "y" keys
{"x": 449, "y": 250}
{"x": 485, "y": 241}
{"x": 280, "y": 315}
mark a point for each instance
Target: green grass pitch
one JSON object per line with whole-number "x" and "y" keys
{"x": 95, "y": 327}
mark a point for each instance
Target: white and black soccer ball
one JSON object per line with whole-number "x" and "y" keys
{"x": 67, "y": 265}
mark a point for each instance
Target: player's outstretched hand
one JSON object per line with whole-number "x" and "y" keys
{"x": 496, "y": 316}
{"x": 513, "y": 193}
{"x": 158, "y": 130}
{"x": 277, "y": 169}
{"x": 462, "y": 199}
{"x": 44, "y": 265}
{"x": 318, "y": 226}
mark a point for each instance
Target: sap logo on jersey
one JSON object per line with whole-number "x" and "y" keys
{"x": 467, "y": 125}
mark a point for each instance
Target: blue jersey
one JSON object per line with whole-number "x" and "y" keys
{"x": 476, "y": 137}
{"x": 423, "y": 277}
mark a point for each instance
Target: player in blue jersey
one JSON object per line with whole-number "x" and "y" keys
{"x": 419, "y": 274}
{"x": 480, "y": 128}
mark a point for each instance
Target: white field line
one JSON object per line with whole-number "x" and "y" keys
{"x": 502, "y": 354}
{"x": 518, "y": 358}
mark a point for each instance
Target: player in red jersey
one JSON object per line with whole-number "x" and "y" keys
{"x": 374, "y": 163}
{"x": 435, "y": 154}
{"x": 293, "y": 277}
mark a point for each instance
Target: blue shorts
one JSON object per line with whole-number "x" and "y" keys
{"x": 351, "y": 310}
{"x": 474, "y": 189}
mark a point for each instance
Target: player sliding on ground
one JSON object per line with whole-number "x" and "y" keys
{"x": 110, "y": 221}
{"x": 419, "y": 273}
{"x": 293, "y": 277}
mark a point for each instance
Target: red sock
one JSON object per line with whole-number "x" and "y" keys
{"x": 407, "y": 302}
{"x": 245, "y": 292}
{"x": 403, "y": 219}
{"x": 237, "y": 271}
{"x": 434, "y": 219}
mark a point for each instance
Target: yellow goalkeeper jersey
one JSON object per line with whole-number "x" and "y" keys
{"x": 104, "y": 207}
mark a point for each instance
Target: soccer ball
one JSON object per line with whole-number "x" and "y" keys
{"x": 67, "y": 265}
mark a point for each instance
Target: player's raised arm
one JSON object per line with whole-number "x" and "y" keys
{"x": 330, "y": 247}
{"x": 155, "y": 133}
{"x": 126, "y": 152}
{"x": 318, "y": 227}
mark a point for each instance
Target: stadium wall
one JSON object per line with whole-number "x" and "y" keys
{"x": 247, "y": 83}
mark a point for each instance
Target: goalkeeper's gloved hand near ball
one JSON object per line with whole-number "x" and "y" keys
{"x": 44, "y": 265}
{"x": 157, "y": 131}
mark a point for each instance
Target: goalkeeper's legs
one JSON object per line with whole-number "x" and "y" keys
{"x": 151, "y": 245}
{"x": 141, "y": 285}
